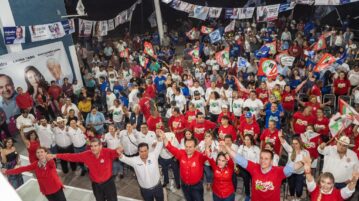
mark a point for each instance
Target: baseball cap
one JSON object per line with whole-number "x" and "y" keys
{"x": 248, "y": 115}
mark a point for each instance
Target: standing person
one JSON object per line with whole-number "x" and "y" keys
{"x": 25, "y": 121}
{"x": 129, "y": 141}
{"x": 23, "y": 100}
{"x": 270, "y": 134}
{"x": 200, "y": 125}
{"x": 296, "y": 152}
{"x": 112, "y": 140}
{"x": 99, "y": 162}
{"x": 9, "y": 159}
{"x": 63, "y": 143}
{"x": 177, "y": 123}
{"x": 266, "y": 178}
{"x": 46, "y": 135}
{"x": 117, "y": 111}
{"x": 325, "y": 188}
{"x": 147, "y": 170}
{"x": 146, "y": 136}
{"x": 191, "y": 168}
{"x": 155, "y": 121}
{"x": 31, "y": 141}
{"x": 46, "y": 174}
{"x": 96, "y": 119}
{"x": 339, "y": 160}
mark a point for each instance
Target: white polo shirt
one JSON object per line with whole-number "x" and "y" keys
{"x": 113, "y": 142}
{"x": 341, "y": 168}
{"x": 62, "y": 139}
{"x": 150, "y": 138}
{"x": 129, "y": 141}
{"x": 148, "y": 173}
{"x": 78, "y": 138}
{"x": 46, "y": 136}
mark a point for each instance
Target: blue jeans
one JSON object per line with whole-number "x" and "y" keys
{"x": 117, "y": 167}
{"x": 229, "y": 198}
{"x": 193, "y": 192}
{"x": 153, "y": 193}
{"x": 208, "y": 173}
{"x": 79, "y": 150}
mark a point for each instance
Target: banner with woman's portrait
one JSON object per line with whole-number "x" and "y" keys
{"x": 34, "y": 69}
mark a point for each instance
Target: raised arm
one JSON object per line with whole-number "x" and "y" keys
{"x": 23, "y": 138}
{"x": 284, "y": 143}
{"x": 240, "y": 160}
{"x": 20, "y": 170}
{"x": 78, "y": 157}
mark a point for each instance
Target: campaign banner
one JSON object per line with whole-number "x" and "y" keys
{"x": 189, "y": 8}
{"x": 214, "y": 12}
{"x": 176, "y": 4}
{"x": 199, "y": 12}
{"x": 246, "y": 13}
{"x": 111, "y": 24}
{"x": 215, "y": 36}
{"x": 286, "y": 6}
{"x": 14, "y": 35}
{"x": 46, "y": 31}
{"x": 69, "y": 26}
{"x": 287, "y": 60}
{"x": 327, "y": 2}
{"x": 100, "y": 28}
{"x": 85, "y": 28}
{"x": 267, "y": 13}
{"x": 35, "y": 68}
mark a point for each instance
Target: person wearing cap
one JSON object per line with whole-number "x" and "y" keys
{"x": 225, "y": 112}
{"x": 339, "y": 160}
{"x": 249, "y": 127}
{"x": 63, "y": 143}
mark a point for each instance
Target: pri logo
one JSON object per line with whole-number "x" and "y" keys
{"x": 264, "y": 186}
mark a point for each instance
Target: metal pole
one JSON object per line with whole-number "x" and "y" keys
{"x": 159, "y": 19}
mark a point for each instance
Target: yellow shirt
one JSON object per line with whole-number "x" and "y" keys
{"x": 84, "y": 106}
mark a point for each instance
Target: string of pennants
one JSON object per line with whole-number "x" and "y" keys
{"x": 264, "y": 13}
{"x": 17, "y": 34}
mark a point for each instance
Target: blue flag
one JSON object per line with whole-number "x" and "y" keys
{"x": 262, "y": 52}
{"x": 342, "y": 58}
{"x": 242, "y": 62}
{"x": 215, "y": 36}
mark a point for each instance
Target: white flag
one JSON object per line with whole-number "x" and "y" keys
{"x": 230, "y": 27}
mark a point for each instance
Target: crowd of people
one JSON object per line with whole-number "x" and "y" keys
{"x": 208, "y": 123}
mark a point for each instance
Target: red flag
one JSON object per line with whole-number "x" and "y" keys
{"x": 326, "y": 60}
{"x": 267, "y": 67}
{"x": 195, "y": 55}
{"x": 320, "y": 44}
{"x": 148, "y": 49}
{"x": 206, "y": 30}
{"x": 192, "y": 34}
{"x": 222, "y": 57}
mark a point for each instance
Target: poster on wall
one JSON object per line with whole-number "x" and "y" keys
{"x": 46, "y": 31}
{"x": 85, "y": 28}
{"x": 14, "y": 35}
{"x": 69, "y": 26}
{"x": 100, "y": 28}
{"x": 35, "y": 68}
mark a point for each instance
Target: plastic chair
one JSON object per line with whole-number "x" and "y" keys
{"x": 327, "y": 111}
{"x": 332, "y": 98}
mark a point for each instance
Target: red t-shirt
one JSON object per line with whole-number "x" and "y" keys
{"x": 151, "y": 91}
{"x": 288, "y": 101}
{"x": 272, "y": 138}
{"x": 323, "y": 124}
{"x": 200, "y": 128}
{"x": 54, "y": 92}
{"x": 229, "y": 130}
{"x": 315, "y": 91}
{"x": 155, "y": 122}
{"x": 228, "y": 114}
{"x": 246, "y": 128}
{"x": 145, "y": 105}
{"x": 314, "y": 106}
{"x": 265, "y": 186}
{"x": 178, "y": 69}
{"x": 24, "y": 101}
{"x": 341, "y": 87}
{"x": 334, "y": 196}
{"x": 312, "y": 146}
{"x": 176, "y": 124}
{"x": 262, "y": 95}
{"x": 301, "y": 122}
{"x": 190, "y": 116}
{"x": 191, "y": 169}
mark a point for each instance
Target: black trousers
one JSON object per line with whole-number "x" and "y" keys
{"x": 153, "y": 193}
{"x": 193, "y": 192}
{"x": 64, "y": 164}
{"x": 246, "y": 180}
{"x": 5, "y": 128}
{"x": 166, "y": 164}
{"x": 58, "y": 196}
{"x": 296, "y": 184}
{"x": 105, "y": 191}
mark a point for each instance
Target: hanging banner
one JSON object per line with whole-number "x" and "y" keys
{"x": 326, "y": 2}
{"x": 35, "y": 68}
{"x": 268, "y": 68}
{"x": 308, "y": 2}
{"x": 166, "y": 1}
{"x": 246, "y": 13}
{"x": 14, "y": 35}
{"x": 176, "y": 4}
{"x": 183, "y": 7}
{"x": 85, "y": 28}
{"x": 199, "y": 12}
{"x": 46, "y": 31}
{"x": 69, "y": 26}
{"x": 100, "y": 28}
{"x": 111, "y": 24}
{"x": 267, "y": 13}
{"x": 189, "y": 8}
{"x": 231, "y": 13}
{"x": 287, "y": 60}
{"x": 286, "y": 6}
{"x": 152, "y": 20}
{"x": 214, "y": 12}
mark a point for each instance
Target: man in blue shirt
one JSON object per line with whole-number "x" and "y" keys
{"x": 160, "y": 82}
{"x": 273, "y": 115}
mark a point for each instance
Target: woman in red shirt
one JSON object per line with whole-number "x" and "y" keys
{"x": 45, "y": 171}
{"x": 31, "y": 142}
{"x": 295, "y": 50}
{"x": 341, "y": 85}
{"x": 324, "y": 190}
{"x": 223, "y": 168}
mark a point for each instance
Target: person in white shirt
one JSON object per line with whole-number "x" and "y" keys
{"x": 198, "y": 102}
{"x": 211, "y": 89}
{"x": 146, "y": 136}
{"x": 68, "y": 106}
{"x": 132, "y": 96}
{"x": 215, "y": 104}
{"x": 25, "y": 121}
{"x": 147, "y": 171}
{"x": 129, "y": 141}
{"x": 63, "y": 143}
{"x": 166, "y": 160}
{"x": 254, "y": 104}
{"x": 76, "y": 132}
{"x": 110, "y": 97}
{"x": 117, "y": 111}
{"x": 296, "y": 153}
{"x": 339, "y": 160}
{"x": 180, "y": 99}
{"x": 196, "y": 87}
{"x": 250, "y": 152}
{"x": 112, "y": 140}
{"x": 45, "y": 134}
{"x": 236, "y": 104}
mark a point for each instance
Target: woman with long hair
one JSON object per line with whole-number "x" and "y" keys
{"x": 9, "y": 160}
{"x": 215, "y": 104}
{"x": 46, "y": 174}
{"x": 34, "y": 80}
{"x": 31, "y": 141}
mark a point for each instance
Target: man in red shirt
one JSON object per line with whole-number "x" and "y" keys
{"x": 301, "y": 120}
{"x": 226, "y": 129}
{"x": 270, "y": 134}
{"x": 341, "y": 86}
{"x": 249, "y": 126}
{"x": 24, "y": 100}
{"x": 321, "y": 125}
{"x": 155, "y": 122}
{"x": 262, "y": 92}
{"x": 99, "y": 162}
{"x": 150, "y": 89}
{"x": 54, "y": 91}
{"x": 266, "y": 178}
{"x": 191, "y": 168}
{"x": 145, "y": 105}
{"x": 190, "y": 115}
{"x": 200, "y": 125}
{"x": 177, "y": 123}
